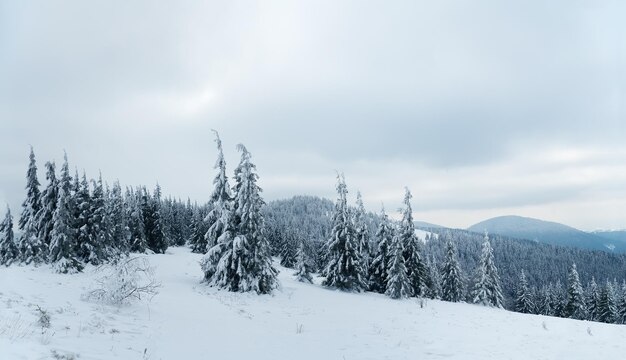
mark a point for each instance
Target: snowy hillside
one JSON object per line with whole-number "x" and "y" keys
{"x": 187, "y": 320}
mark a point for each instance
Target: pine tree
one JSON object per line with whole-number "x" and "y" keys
{"x": 137, "y": 242}
{"x": 415, "y": 265}
{"x": 199, "y": 227}
{"x": 344, "y": 269}
{"x": 607, "y": 310}
{"x": 621, "y": 305}
{"x": 592, "y": 300}
{"x": 48, "y": 205}
{"x": 304, "y": 269}
{"x": 575, "y": 303}
{"x": 433, "y": 283}
{"x": 543, "y": 303}
{"x": 63, "y": 234}
{"x": 119, "y": 226}
{"x": 30, "y": 246}
{"x": 362, "y": 232}
{"x": 398, "y": 282}
{"x": 8, "y": 248}
{"x": 220, "y": 202}
{"x": 155, "y": 236}
{"x": 523, "y": 301}
{"x": 241, "y": 260}
{"x": 380, "y": 264}
{"x": 99, "y": 232}
{"x": 451, "y": 276}
{"x": 487, "y": 287}
{"x": 85, "y": 243}
{"x": 557, "y": 299}
{"x": 289, "y": 248}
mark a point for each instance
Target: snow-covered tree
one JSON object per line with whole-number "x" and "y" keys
{"x": 134, "y": 214}
{"x": 63, "y": 234}
{"x": 362, "y": 232}
{"x": 48, "y": 205}
{"x": 118, "y": 220}
{"x": 99, "y": 231}
{"x": 487, "y": 289}
{"x": 31, "y": 248}
{"x": 303, "y": 273}
{"x": 155, "y": 237}
{"x": 8, "y": 248}
{"x": 452, "y": 288}
{"x": 199, "y": 227}
{"x": 542, "y": 302}
{"x": 241, "y": 260}
{"x": 414, "y": 262}
{"x": 380, "y": 264}
{"x": 592, "y": 300}
{"x": 433, "y": 280}
{"x": 344, "y": 269}
{"x": 607, "y": 309}
{"x": 524, "y": 301}
{"x": 220, "y": 202}
{"x": 621, "y": 304}
{"x": 575, "y": 303}
{"x": 398, "y": 282}
{"x": 85, "y": 243}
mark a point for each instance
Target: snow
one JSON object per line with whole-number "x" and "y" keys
{"x": 188, "y": 320}
{"x": 421, "y": 234}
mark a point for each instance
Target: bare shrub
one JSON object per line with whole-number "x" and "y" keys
{"x": 123, "y": 282}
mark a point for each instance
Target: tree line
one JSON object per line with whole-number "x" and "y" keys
{"x": 73, "y": 222}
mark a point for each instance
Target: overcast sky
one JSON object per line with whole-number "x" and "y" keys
{"x": 481, "y": 108}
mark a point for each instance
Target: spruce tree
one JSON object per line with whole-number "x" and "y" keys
{"x": 48, "y": 205}
{"x": 63, "y": 234}
{"x": 433, "y": 283}
{"x": 558, "y": 299}
{"x": 136, "y": 222}
{"x": 241, "y": 260}
{"x": 31, "y": 248}
{"x": 199, "y": 227}
{"x": 220, "y": 203}
{"x": 592, "y": 300}
{"x": 487, "y": 289}
{"x": 156, "y": 240}
{"x": 398, "y": 282}
{"x": 303, "y": 273}
{"x": 86, "y": 245}
{"x": 607, "y": 310}
{"x": 621, "y": 305}
{"x": 8, "y": 248}
{"x": 543, "y": 303}
{"x": 380, "y": 264}
{"x": 415, "y": 264}
{"x": 344, "y": 269}
{"x": 523, "y": 301}
{"x": 451, "y": 276}
{"x": 361, "y": 231}
{"x": 289, "y": 248}
{"x": 575, "y": 303}
{"x": 118, "y": 220}
{"x": 98, "y": 230}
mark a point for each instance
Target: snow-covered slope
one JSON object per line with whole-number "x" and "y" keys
{"x": 187, "y": 320}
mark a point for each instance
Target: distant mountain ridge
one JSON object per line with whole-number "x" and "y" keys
{"x": 552, "y": 233}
